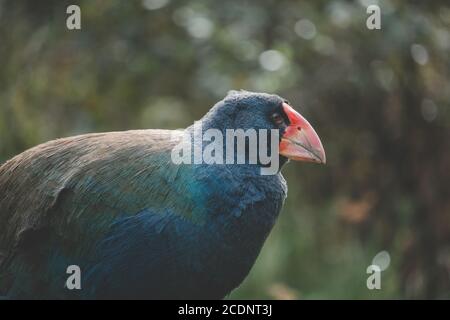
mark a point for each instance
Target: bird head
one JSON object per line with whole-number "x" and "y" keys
{"x": 245, "y": 110}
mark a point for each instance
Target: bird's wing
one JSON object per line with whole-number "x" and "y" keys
{"x": 74, "y": 188}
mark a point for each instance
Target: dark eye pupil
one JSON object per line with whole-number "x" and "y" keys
{"x": 277, "y": 119}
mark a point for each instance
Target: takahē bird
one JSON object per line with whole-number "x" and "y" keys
{"x": 136, "y": 224}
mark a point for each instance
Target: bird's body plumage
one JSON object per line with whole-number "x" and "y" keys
{"x": 138, "y": 225}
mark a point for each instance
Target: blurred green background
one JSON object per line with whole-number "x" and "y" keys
{"x": 379, "y": 100}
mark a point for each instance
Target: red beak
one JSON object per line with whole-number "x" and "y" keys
{"x": 300, "y": 142}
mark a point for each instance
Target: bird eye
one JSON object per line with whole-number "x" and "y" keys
{"x": 277, "y": 119}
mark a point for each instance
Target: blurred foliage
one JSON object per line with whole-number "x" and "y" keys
{"x": 378, "y": 98}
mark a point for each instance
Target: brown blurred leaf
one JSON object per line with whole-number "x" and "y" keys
{"x": 281, "y": 291}
{"x": 356, "y": 211}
